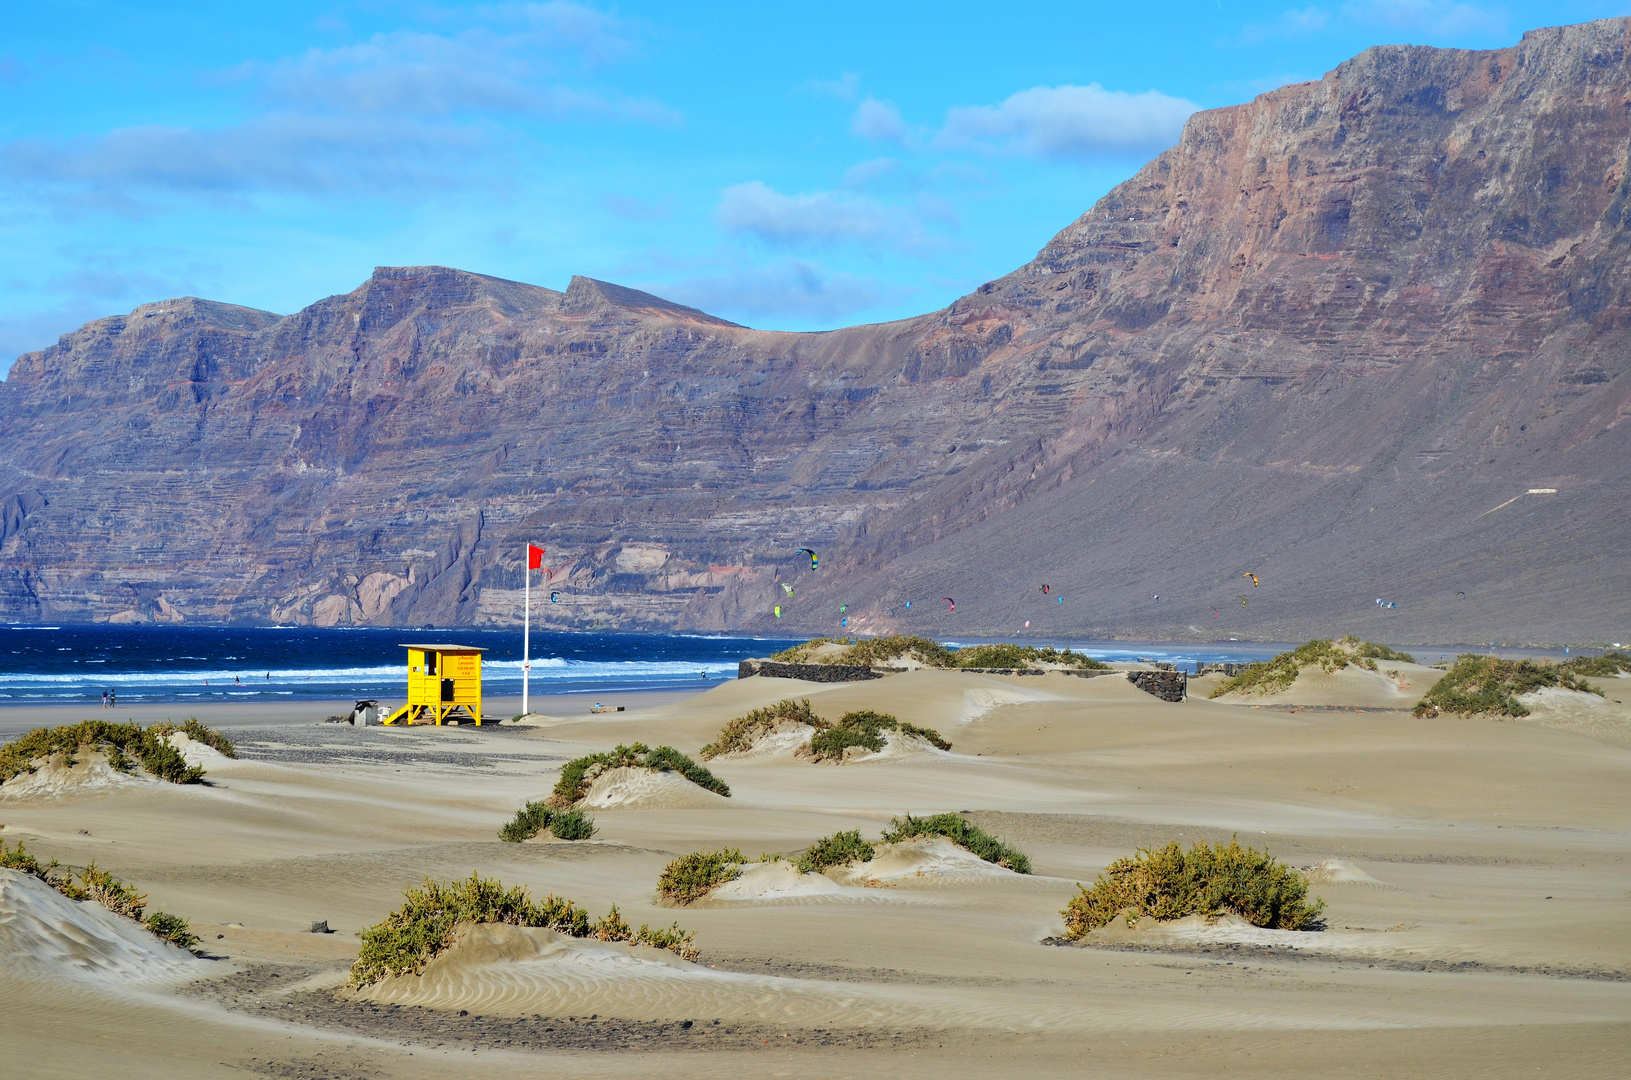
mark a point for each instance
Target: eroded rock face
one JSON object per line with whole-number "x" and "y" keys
{"x": 1320, "y": 340}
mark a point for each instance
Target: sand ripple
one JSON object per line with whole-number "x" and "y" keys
{"x": 43, "y": 933}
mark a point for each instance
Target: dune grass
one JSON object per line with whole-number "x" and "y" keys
{"x": 866, "y": 652}
{"x": 1606, "y": 666}
{"x": 839, "y": 849}
{"x": 535, "y": 817}
{"x": 690, "y": 877}
{"x": 964, "y": 834}
{"x": 412, "y": 935}
{"x": 102, "y": 887}
{"x": 1170, "y": 883}
{"x": 124, "y": 745}
{"x": 1276, "y": 675}
{"x": 865, "y": 728}
{"x": 1371, "y": 650}
{"x": 1023, "y": 656}
{"x": 578, "y": 774}
{"x": 744, "y": 731}
{"x": 1487, "y": 685}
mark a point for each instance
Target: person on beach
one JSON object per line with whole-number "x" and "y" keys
{"x": 113, "y": 699}
{"x": 104, "y": 699}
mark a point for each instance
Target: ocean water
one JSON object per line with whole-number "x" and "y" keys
{"x": 65, "y": 664}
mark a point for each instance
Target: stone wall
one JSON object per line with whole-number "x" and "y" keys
{"x": 1166, "y": 685}
{"x": 828, "y": 673}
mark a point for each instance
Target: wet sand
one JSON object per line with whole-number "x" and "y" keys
{"x": 1476, "y": 873}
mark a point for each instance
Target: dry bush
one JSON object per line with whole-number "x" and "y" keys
{"x": 690, "y": 877}
{"x": 964, "y": 834}
{"x": 577, "y": 774}
{"x": 1170, "y": 883}
{"x": 744, "y": 731}
{"x": 1489, "y": 685}
{"x": 103, "y": 888}
{"x": 119, "y": 742}
{"x": 412, "y": 935}
{"x": 839, "y": 849}
{"x": 864, "y": 728}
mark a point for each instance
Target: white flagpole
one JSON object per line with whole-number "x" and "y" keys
{"x": 526, "y": 631}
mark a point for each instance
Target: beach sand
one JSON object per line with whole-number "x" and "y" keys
{"x": 1476, "y": 872}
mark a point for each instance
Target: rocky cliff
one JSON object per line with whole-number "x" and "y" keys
{"x": 1365, "y": 338}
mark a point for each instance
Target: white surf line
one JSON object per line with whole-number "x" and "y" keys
{"x": 1515, "y": 498}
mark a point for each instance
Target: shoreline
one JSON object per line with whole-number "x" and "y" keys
{"x": 313, "y": 710}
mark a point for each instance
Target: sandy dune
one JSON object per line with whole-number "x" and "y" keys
{"x": 1475, "y": 871}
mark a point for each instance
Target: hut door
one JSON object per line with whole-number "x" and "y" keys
{"x": 447, "y": 691}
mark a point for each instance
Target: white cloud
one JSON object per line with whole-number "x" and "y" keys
{"x": 1069, "y": 122}
{"x": 878, "y": 121}
{"x": 632, "y": 209}
{"x": 280, "y": 153}
{"x": 1436, "y": 20}
{"x": 874, "y": 173}
{"x": 792, "y": 289}
{"x": 814, "y": 220}
{"x": 844, "y": 88}
{"x": 404, "y": 113}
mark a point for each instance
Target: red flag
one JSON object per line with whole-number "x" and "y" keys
{"x": 535, "y": 557}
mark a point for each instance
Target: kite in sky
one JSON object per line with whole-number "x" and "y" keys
{"x": 950, "y": 601}
{"x": 812, "y": 554}
{"x": 1253, "y": 577}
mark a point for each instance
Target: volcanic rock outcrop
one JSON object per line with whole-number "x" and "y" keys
{"x": 1366, "y": 338}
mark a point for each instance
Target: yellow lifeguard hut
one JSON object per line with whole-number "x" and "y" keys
{"x": 441, "y": 680}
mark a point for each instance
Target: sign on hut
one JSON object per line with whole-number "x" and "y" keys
{"x": 442, "y": 681}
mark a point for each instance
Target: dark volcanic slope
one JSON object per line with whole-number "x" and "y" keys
{"x": 1321, "y": 340}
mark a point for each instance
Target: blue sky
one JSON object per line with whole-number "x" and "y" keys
{"x": 785, "y": 166}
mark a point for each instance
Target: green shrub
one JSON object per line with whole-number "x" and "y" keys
{"x": 1606, "y": 666}
{"x": 123, "y": 744}
{"x": 572, "y": 824}
{"x": 197, "y": 732}
{"x": 529, "y": 821}
{"x": 830, "y": 745}
{"x": 1023, "y": 656}
{"x": 671, "y": 938}
{"x": 691, "y": 876}
{"x": 577, "y": 774}
{"x": 800, "y": 654}
{"x": 865, "y": 728}
{"x": 1487, "y": 684}
{"x": 111, "y": 893}
{"x": 103, "y": 888}
{"x": 172, "y": 928}
{"x": 1373, "y": 651}
{"x": 412, "y": 935}
{"x": 965, "y": 835}
{"x": 744, "y": 731}
{"x": 1170, "y": 883}
{"x": 839, "y": 849}
{"x": 21, "y": 859}
{"x": 869, "y": 651}
{"x": 1273, "y": 676}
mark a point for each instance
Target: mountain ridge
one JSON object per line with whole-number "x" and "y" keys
{"x": 1399, "y": 289}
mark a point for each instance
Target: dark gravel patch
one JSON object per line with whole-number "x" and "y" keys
{"x": 342, "y": 744}
{"x": 259, "y": 992}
